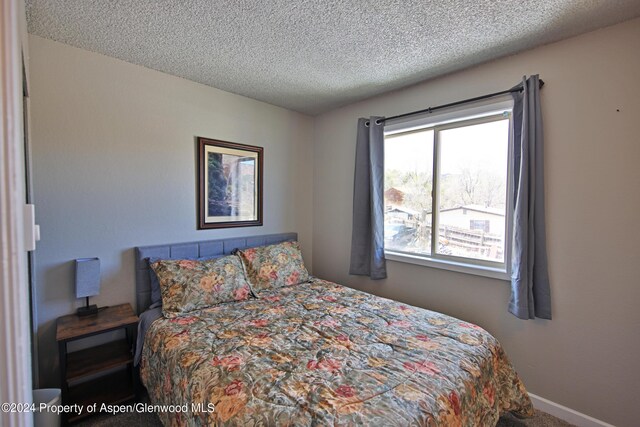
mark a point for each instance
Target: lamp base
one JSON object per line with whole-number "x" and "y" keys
{"x": 87, "y": 310}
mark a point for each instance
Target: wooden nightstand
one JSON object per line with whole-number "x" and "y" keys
{"x": 91, "y": 376}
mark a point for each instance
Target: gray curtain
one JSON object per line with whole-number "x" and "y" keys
{"x": 367, "y": 239}
{"x": 530, "y": 294}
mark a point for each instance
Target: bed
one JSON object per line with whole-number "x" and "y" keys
{"x": 317, "y": 353}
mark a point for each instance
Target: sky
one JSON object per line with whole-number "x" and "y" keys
{"x": 483, "y": 145}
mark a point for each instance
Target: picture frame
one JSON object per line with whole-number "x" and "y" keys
{"x": 229, "y": 184}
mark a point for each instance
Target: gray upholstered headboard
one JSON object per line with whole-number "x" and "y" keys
{"x": 198, "y": 249}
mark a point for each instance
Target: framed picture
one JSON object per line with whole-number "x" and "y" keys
{"x": 229, "y": 184}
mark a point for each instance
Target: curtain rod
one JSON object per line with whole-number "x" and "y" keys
{"x": 453, "y": 104}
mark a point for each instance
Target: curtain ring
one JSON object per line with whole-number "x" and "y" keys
{"x": 366, "y": 124}
{"x": 378, "y": 122}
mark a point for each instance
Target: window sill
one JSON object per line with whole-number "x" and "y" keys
{"x": 476, "y": 270}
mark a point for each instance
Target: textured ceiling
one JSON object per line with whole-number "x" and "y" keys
{"x": 314, "y": 55}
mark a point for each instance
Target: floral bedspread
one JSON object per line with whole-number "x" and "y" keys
{"x": 324, "y": 354}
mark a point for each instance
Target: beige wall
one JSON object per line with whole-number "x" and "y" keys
{"x": 586, "y": 358}
{"x": 115, "y": 167}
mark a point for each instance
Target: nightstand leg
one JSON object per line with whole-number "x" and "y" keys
{"x": 64, "y": 387}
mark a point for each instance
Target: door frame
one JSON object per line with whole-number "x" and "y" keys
{"x": 15, "y": 334}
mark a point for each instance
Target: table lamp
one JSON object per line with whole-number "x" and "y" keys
{"x": 87, "y": 283}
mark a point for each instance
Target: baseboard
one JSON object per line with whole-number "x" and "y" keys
{"x": 567, "y": 414}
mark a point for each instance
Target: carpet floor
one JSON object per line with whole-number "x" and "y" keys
{"x": 540, "y": 419}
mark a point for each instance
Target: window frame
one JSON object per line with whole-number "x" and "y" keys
{"x": 469, "y": 115}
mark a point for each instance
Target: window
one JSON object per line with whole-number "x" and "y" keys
{"x": 446, "y": 190}
{"x": 480, "y": 224}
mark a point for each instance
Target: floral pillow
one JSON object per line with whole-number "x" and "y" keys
{"x": 274, "y": 266}
{"x": 188, "y": 285}
{"x": 156, "y": 294}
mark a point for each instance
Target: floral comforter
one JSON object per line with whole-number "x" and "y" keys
{"x": 324, "y": 354}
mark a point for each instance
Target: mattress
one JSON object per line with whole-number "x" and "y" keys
{"x": 320, "y": 353}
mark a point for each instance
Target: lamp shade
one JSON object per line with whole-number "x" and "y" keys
{"x": 87, "y": 277}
